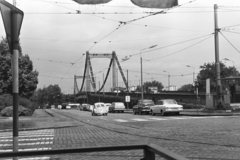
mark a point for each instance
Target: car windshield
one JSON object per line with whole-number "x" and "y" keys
{"x": 148, "y": 102}
{"x": 169, "y": 102}
{"x": 119, "y": 104}
{"x": 100, "y": 105}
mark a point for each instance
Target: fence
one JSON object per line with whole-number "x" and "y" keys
{"x": 149, "y": 152}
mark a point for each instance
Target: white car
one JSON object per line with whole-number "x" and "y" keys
{"x": 165, "y": 106}
{"x": 117, "y": 107}
{"x": 99, "y": 108}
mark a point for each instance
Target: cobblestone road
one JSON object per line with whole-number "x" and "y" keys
{"x": 198, "y": 138}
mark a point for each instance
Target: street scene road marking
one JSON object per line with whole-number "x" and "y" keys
{"x": 139, "y": 119}
{"x": 120, "y": 120}
{"x": 145, "y": 119}
{"x": 28, "y": 141}
{"x": 35, "y": 158}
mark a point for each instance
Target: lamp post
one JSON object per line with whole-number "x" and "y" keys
{"x": 168, "y": 80}
{"x": 226, "y": 59}
{"x": 193, "y": 72}
{"x": 141, "y": 67}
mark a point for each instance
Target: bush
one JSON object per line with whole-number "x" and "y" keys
{"x": 22, "y": 111}
{"x": 6, "y": 101}
{"x": 191, "y": 105}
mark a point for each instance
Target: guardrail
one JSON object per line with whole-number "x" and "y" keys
{"x": 149, "y": 152}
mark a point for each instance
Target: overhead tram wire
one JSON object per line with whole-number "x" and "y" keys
{"x": 170, "y": 45}
{"x": 230, "y": 42}
{"x": 71, "y": 67}
{"x": 53, "y": 61}
{"x": 231, "y": 31}
{"x": 124, "y": 23}
{"x": 180, "y": 50}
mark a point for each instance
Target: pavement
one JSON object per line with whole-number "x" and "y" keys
{"x": 210, "y": 140}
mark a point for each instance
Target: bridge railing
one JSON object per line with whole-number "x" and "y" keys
{"x": 149, "y": 152}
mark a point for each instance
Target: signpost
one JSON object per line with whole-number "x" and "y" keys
{"x": 12, "y": 20}
{"x": 127, "y": 99}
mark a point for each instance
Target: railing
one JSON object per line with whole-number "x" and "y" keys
{"x": 149, "y": 152}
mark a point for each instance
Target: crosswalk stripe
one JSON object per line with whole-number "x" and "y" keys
{"x": 162, "y": 118}
{"x": 35, "y": 158}
{"x": 139, "y": 119}
{"x": 27, "y": 140}
{"x": 120, "y": 120}
{"x": 158, "y": 119}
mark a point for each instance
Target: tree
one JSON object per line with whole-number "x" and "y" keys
{"x": 148, "y": 85}
{"x": 186, "y": 87}
{"x": 28, "y": 79}
{"x": 50, "y": 95}
{"x": 208, "y": 70}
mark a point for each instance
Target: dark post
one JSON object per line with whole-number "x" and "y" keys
{"x": 15, "y": 75}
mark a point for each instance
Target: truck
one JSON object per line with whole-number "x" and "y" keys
{"x": 143, "y": 106}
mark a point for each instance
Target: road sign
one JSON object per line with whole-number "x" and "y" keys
{"x": 127, "y": 98}
{"x": 9, "y": 14}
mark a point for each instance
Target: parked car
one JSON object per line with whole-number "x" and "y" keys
{"x": 143, "y": 106}
{"x": 165, "y": 106}
{"x": 117, "y": 107}
{"x": 99, "y": 108}
{"x": 85, "y": 106}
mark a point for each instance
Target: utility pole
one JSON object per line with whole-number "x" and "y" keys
{"x": 217, "y": 63}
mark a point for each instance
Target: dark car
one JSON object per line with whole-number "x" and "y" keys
{"x": 143, "y": 106}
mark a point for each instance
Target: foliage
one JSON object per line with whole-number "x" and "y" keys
{"x": 208, "y": 70}
{"x": 6, "y": 100}
{"x": 191, "y": 105}
{"x": 50, "y": 95}
{"x": 28, "y": 79}
{"x": 22, "y": 111}
{"x": 146, "y": 86}
{"x": 153, "y": 84}
{"x": 186, "y": 87}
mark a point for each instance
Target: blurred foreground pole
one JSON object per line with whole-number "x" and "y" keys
{"x": 12, "y": 20}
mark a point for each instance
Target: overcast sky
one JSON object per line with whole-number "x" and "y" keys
{"x": 55, "y": 39}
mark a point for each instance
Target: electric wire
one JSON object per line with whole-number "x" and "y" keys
{"x": 231, "y": 32}
{"x": 230, "y": 42}
{"x": 180, "y": 50}
{"x": 170, "y": 45}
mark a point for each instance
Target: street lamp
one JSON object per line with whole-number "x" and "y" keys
{"x": 226, "y": 59}
{"x": 168, "y": 80}
{"x": 193, "y": 72}
{"x": 141, "y": 67}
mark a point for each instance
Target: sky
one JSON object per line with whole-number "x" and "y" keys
{"x": 57, "y": 38}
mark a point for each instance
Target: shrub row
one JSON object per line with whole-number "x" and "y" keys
{"x": 26, "y": 107}
{"x": 191, "y": 105}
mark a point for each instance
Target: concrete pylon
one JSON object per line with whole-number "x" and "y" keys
{"x": 114, "y": 70}
{"x": 87, "y": 79}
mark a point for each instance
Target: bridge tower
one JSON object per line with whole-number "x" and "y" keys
{"x": 89, "y": 71}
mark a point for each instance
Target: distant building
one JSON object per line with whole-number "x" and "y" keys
{"x": 171, "y": 88}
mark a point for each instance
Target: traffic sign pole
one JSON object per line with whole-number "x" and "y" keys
{"x": 12, "y": 20}
{"x": 15, "y": 75}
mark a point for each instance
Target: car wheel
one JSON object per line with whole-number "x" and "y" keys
{"x": 92, "y": 114}
{"x": 122, "y": 111}
{"x": 140, "y": 113}
{"x": 153, "y": 114}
